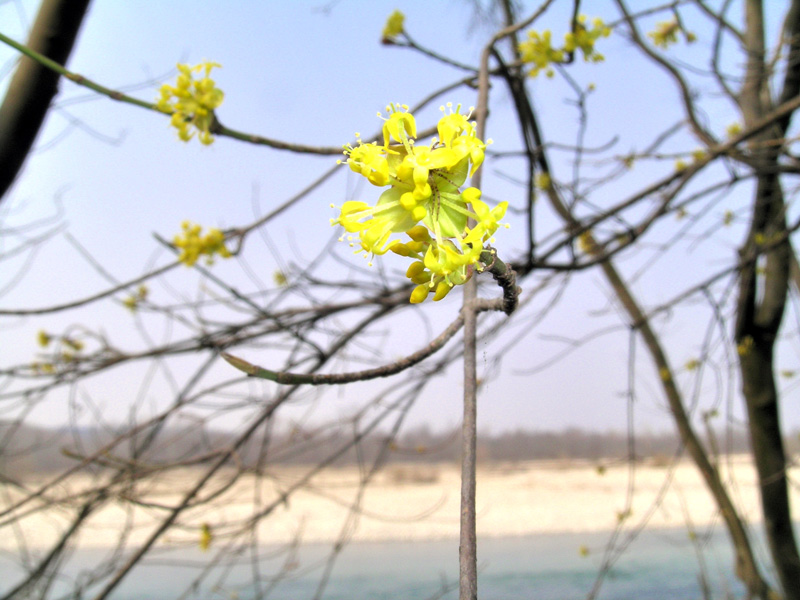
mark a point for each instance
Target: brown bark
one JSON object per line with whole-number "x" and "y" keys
{"x": 33, "y": 87}
{"x": 764, "y": 279}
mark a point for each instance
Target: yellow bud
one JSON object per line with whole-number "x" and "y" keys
{"x": 442, "y": 289}
{"x": 400, "y": 249}
{"x": 419, "y": 233}
{"x": 420, "y": 293}
{"x": 43, "y": 338}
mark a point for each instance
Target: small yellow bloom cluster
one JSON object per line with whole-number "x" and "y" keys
{"x": 393, "y": 28}
{"x": 193, "y": 245}
{"x": 43, "y": 338}
{"x": 744, "y": 347}
{"x": 538, "y": 49}
{"x": 666, "y": 34}
{"x": 132, "y": 302}
{"x": 424, "y": 200}
{"x": 733, "y": 129}
{"x": 587, "y": 244}
{"x": 65, "y": 352}
{"x": 542, "y": 181}
{"x": 192, "y": 102}
{"x": 728, "y": 217}
{"x": 205, "y": 536}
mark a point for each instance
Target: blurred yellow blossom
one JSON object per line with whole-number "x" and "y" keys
{"x": 193, "y": 244}
{"x": 132, "y": 302}
{"x": 42, "y": 338}
{"x": 543, "y": 181}
{"x": 744, "y": 347}
{"x": 587, "y": 244}
{"x": 192, "y": 102}
{"x": 280, "y": 279}
{"x": 699, "y": 155}
{"x": 393, "y": 27}
{"x": 733, "y": 129}
{"x": 727, "y": 218}
{"x": 205, "y": 537}
{"x": 76, "y": 345}
{"x": 666, "y": 34}
{"x": 538, "y": 49}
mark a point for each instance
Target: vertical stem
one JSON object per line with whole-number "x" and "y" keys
{"x": 468, "y": 541}
{"x": 467, "y": 548}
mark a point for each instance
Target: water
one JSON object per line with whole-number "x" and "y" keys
{"x": 660, "y": 565}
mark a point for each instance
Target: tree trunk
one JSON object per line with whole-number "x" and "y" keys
{"x": 762, "y": 298}
{"x": 763, "y": 287}
{"x": 33, "y": 86}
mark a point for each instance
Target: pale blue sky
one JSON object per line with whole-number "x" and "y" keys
{"x": 314, "y": 73}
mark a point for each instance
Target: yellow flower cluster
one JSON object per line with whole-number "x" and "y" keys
{"x": 66, "y": 350}
{"x": 733, "y": 129}
{"x": 393, "y": 28}
{"x": 193, "y": 245}
{"x": 666, "y": 34}
{"x": 192, "y": 102}
{"x": 539, "y": 52}
{"x": 424, "y": 200}
{"x": 132, "y": 302}
{"x": 542, "y": 181}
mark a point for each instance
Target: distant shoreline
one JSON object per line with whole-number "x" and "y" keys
{"x": 417, "y": 501}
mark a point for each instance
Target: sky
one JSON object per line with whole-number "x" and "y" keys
{"x": 111, "y": 176}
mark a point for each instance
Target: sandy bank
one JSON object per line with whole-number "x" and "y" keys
{"x": 411, "y": 502}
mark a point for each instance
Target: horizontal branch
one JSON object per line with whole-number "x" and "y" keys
{"x": 341, "y": 378}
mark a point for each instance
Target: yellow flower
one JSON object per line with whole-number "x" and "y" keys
{"x": 539, "y": 52}
{"x": 76, "y": 345}
{"x": 193, "y": 244}
{"x": 584, "y": 39}
{"x": 192, "y": 102}
{"x": 733, "y": 129}
{"x": 699, "y": 155}
{"x": 46, "y": 368}
{"x": 744, "y": 347}
{"x": 543, "y": 181}
{"x": 728, "y": 217}
{"x": 393, "y": 27}
{"x": 205, "y": 537}
{"x": 424, "y": 200}
{"x": 280, "y": 279}
{"x": 132, "y": 302}
{"x": 666, "y": 34}
{"x": 43, "y": 339}
{"x": 587, "y": 244}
